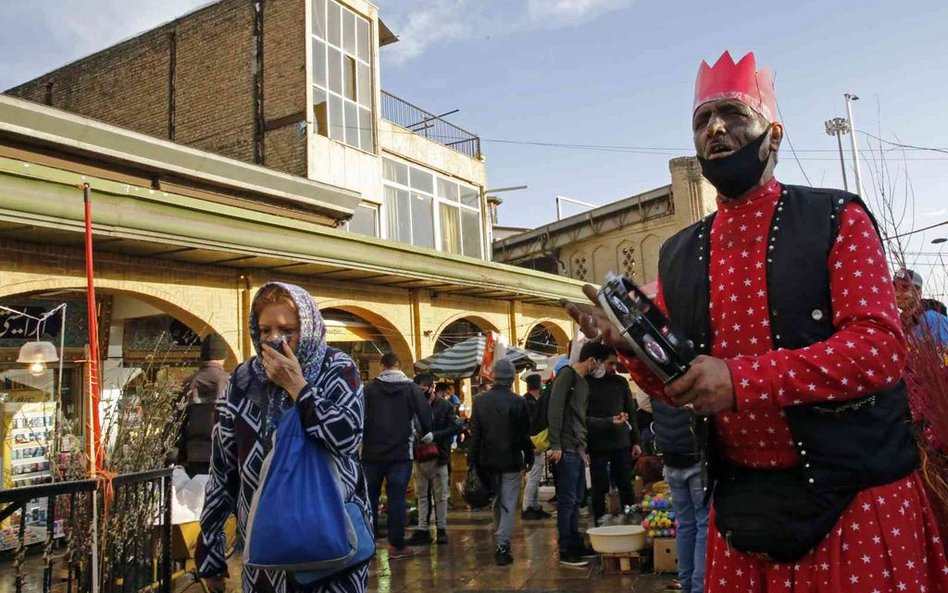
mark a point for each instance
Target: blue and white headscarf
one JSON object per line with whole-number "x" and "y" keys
{"x": 310, "y": 352}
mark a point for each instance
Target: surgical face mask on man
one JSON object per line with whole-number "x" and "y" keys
{"x": 600, "y": 372}
{"x": 736, "y": 173}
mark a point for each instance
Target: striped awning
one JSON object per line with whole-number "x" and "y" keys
{"x": 463, "y": 359}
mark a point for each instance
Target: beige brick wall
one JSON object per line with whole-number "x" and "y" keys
{"x": 693, "y": 197}
{"x": 207, "y": 297}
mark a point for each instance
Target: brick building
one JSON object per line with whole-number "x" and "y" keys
{"x": 242, "y": 143}
{"x": 291, "y": 85}
{"x": 622, "y": 237}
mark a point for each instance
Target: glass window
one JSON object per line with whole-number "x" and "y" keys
{"x": 395, "y": 171}
{"x": 470, "y": 197}
{"x": 348, "y": 78}
{"x": 321, "y": 111}
{"x": 364, "y": 219}
{"x": 398, "y": 214}
{"x": 335, "y": 70}
{"x": 352, "y": 124}
{"x": 337, "y": 129}
{"x": 447, "y": 190}
{"x": 333, "y": 24}
{"x": 364, "y": 40}
{"x": 319, "y": 63}
{"x": 422, "y": 220}
{"x": 348, "y": 32}
{"x": 471, "y": 228}
{"x": 365, "y": 130}
{"x": 319, "y": 18}
{"x": 450, "y": 229}
{"x": 422, "y": 181}
{"x": 364, "y": 85}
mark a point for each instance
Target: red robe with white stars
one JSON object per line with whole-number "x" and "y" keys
{"x": 887, "y": 539}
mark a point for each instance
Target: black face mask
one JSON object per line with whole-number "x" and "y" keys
{"x": 735, "y": 174}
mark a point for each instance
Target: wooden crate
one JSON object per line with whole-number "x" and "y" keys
{"x": 622, "y": 563}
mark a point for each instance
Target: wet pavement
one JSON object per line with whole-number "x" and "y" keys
{"x": 467, "y": 564}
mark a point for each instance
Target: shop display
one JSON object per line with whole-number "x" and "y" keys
{"x": 659, "y": 518}
{"x": 27, "y": 428}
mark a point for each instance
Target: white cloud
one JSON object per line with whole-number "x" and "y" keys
{"x": 433, "y": 22}
{"x": 422, "y": 24}
{"x": 566, "y": 13}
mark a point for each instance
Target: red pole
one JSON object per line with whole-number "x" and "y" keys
{"x": 93, "y": 426}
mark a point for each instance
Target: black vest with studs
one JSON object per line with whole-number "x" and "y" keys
{"x": 845, "y": 445}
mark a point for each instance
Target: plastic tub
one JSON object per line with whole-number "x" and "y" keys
{"x": 617, "y": 539}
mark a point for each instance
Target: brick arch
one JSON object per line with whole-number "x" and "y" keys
{"x": 602, "y": 263}
{"x": 477, "y": 320}
{"x": 559, "y": 334}
{"x": 648, "y": 254}
{"x": 393, "y": 335}
{"x": 201, "y": 322}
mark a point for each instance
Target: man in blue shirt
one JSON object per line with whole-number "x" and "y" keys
{"x": 920, "y": 322}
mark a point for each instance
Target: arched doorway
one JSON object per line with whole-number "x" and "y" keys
{"x": 547, "y": 338}
{"x": 141, "y": 338}
{"x": 461, "y": 329}
{"x": 365, "y": 337}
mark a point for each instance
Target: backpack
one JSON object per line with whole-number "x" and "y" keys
{"x": 540, "y": 422}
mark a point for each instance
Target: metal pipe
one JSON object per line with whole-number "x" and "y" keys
{"x": 561, "y": 199}
{"x": 842, "y": 162}
{"x": 852, "y": 137}
{"x": 95, "y": 453}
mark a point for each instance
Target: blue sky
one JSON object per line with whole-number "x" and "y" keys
{"x": 614, "y": 73}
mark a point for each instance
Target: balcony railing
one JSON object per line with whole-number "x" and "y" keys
{"x": 423, "y": 123}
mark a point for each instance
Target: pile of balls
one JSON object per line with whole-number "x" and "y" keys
{"x": 660, "y": 521}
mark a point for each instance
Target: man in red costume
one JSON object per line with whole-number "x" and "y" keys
{"x": 787, "y": 298}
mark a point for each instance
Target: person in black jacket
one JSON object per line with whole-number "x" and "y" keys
{"x": 201, "y": 392}
{"x": 434, "y": 470}
{"x": 392, "y": 406}
{"x": 613, "y": 438}
{"x": 532, "y": 510}
{"x": 500, "y": 449}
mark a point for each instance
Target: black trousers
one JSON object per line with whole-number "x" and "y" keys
{"x": 610, "y": 467}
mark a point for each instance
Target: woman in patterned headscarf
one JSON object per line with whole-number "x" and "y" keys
{"x": 324, "y": 384}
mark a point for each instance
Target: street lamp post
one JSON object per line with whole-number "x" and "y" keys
{"x": 852, "y": 138}
{"x": 837, "y": 127}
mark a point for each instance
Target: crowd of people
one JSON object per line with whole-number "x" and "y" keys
{"x": 787, "y": 445}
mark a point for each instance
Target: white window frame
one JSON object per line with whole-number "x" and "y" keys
{"x": 370, "y": 107}
{"x": 378, "y": 219}
{"x": 436, "y": 206}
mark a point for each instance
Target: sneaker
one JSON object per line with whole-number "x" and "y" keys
{"x": 421, "y": 537}
{"x": 534, "y": 514}
{"x": 442, "y": 536}
{"x": 587, "y": 553}
{"x": 396, "y": 554}
{"x": 572, "y": 560}
{"x": 503, "y": 557}
{"x": 529, "y": 514}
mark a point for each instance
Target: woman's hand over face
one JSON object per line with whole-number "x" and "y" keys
{"x": 284, "y": 369}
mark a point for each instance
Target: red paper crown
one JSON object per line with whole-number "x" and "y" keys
{"x": 741, "y": 81}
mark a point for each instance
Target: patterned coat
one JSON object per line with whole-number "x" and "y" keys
{"x": 331, "y": 410}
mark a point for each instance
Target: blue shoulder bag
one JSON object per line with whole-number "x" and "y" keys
{"x": 298, "y": 520}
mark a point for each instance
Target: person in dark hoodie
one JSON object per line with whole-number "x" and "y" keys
{"x": 500, "y": 449}
{"x": 393, "y": 404}
{"x": 200, "y": 393}
{"x": 613, "y": 438}
{"x": 432, "y": 474}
